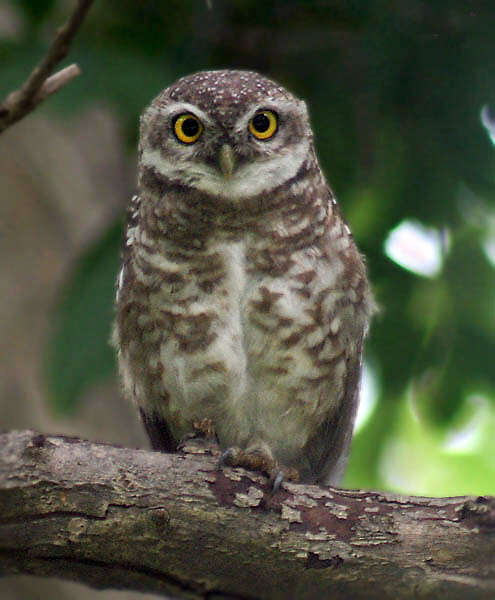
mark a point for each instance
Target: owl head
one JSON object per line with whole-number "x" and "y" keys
{"x": 228, "y": 134}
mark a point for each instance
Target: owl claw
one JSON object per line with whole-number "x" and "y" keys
{"x": 260, "y": 461}
{"x": 277, "y": 482}
{"x": 205, "y": 428}
{"x": 227, "y": 458}
{"x": 194, "y": 444}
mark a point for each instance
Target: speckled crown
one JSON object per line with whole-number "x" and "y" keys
{"x": 224, "y": 90}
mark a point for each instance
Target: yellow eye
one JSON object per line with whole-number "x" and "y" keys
{"x": 187, "y": 128}
{"x": 263, "y": 125}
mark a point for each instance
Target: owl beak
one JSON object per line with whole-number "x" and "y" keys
{"x": 226, "y": 160}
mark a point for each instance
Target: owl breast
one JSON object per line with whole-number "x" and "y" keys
{"x": 258, "y": 341}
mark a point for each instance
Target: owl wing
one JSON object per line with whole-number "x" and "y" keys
{"x": 158, "y": 431}
{"x": 131, "y": 223}
{"x": 328, "y": 450}
{"x": 155, "y": 425}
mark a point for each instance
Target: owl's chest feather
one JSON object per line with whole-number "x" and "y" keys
{"x": 241, "y": 345}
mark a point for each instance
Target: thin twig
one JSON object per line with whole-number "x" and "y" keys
{"x": 39, "y": 85}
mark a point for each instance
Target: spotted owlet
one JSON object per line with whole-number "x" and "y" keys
{"x": 242, "y": 300}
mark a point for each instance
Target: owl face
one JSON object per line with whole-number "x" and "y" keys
{"x": 229, "y": 134}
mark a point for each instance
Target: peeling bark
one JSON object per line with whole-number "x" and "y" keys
{"x": 174, "y": 524}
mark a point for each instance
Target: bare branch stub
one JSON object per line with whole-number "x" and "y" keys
{"x": 39, "y": 85}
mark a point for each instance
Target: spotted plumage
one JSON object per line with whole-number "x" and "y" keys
{"x": 242, "y": 300}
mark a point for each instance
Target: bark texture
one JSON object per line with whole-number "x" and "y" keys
{"x": 174, "y": 524}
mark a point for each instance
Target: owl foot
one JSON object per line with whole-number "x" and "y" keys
{"x": 203, "y": 437}
{"x": 202, "y": 430}
{"x": 194, "y": 444}
{"x": 259, "y": 460}
{"x": 277, "y": 482}
{"x": 204, "y": 427}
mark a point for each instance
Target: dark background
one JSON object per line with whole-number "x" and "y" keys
{"x": 395, "y": 92}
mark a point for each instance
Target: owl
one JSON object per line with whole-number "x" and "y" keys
{"x": 242, "y": 300}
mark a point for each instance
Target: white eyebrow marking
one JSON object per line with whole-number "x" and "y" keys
{"x": 262, "y": 175}
{"x": 179, "y": 107}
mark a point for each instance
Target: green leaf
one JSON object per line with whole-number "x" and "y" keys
{"x": 78, "y": 353}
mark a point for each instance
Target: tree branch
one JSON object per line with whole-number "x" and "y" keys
{"x": 39, "y": 85}
{"x": 174, "y": 524}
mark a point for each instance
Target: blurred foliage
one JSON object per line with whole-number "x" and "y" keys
{"x": 395, "y": 93}
{"x": 79, "y": 354}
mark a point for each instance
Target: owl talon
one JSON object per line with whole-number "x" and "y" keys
{"x": 204, "y": 427}
{"x": 261, "y": 461}
{"x": 198, "y": 443}
{"x": 203, "y": 435}
{"x": 277, "y": 482}
{"x": 227, "y": 458}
